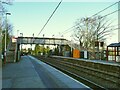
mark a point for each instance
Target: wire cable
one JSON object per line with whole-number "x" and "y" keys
{"x": 110, "y": 13}
{"x": 102, "y": 11}
{"x": 105, "y": 9}
{"x": 67, "y": 30}
{"x": 50, "y": 17}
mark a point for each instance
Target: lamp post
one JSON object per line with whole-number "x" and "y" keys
{"x": 71, "y": 44}
{"x": 6, "y": 37}
{"x": 32, "y": 42}
{"x": 21, "y": 35}
{"x": 60, "y": 44}
{"x": 53, "y": 36}
{"x": 17, "y": 33}
{"x": 43, "y": 43}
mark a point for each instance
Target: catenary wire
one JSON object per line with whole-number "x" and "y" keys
{"x": 98, "y": 13}
{"x": 50, "y": 17}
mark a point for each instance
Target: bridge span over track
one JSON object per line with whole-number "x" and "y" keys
{"x": 61, "y": 42}
{"x": 45, "y": 41}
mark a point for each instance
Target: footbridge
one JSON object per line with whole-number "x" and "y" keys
{"x": 45, "y": 41}
{"x": 42, "y": 41}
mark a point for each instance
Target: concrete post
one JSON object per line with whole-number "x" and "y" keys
{"x": 59, "y": 49}
{"x": 1, "y": 57}
{"x": 17, "y": 52}
{"x": 119, "y": 21}
{"x": 119, "y": 25}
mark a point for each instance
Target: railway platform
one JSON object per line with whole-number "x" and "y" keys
{"x": 94, "y": 61}
{"x": 30, "y": 72}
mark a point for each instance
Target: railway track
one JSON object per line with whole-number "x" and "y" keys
{"x": 94, "y": 78}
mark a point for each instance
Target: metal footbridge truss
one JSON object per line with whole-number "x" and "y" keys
{"x": 45, "y": 41}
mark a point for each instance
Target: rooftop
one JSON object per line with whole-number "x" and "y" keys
{"x": 114, "y": 45}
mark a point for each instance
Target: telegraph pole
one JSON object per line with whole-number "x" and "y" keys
{"x": 6, "y": 38}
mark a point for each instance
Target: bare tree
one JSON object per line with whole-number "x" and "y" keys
{"x": 90, "y": 30}
{"x": 3, "y": 10}
{"x": 3, "y": 26}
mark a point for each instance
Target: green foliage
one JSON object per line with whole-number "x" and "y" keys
{"x": 68, "y": 48}
{"x": 47, "y": 49}
{"x": 56, "y": 52}
{"x": 41, "y": 49}
{"x": 112, "y": 53}
{"x": 36, "y": 49}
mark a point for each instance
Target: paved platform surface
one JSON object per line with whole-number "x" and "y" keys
{"x": 32, "y": 73}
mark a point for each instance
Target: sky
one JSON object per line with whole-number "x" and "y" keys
{"x": 30, "y": 16}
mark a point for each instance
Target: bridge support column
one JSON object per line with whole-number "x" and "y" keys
{"x": 60, "y": 50}
{"x": 17, "y": 56}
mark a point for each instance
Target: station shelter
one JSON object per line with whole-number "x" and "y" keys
{"x": 113, "y": 52}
